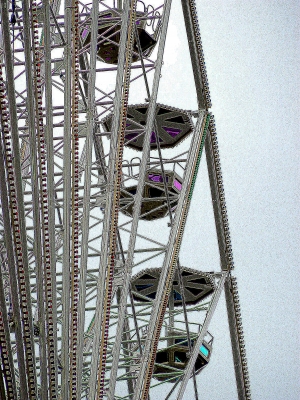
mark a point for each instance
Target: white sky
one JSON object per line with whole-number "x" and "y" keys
{"x": 252, "y": 55}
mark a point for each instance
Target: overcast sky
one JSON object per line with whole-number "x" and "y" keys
{"x": 252, "y": 55}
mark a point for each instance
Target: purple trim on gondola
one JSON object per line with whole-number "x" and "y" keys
{"x": 84, "y": 33}
{"x": 177, "y": 184}
{"x": 157, "y": 178}
{"x": 130, "y": 136}
{"x": 172, "y": 131}
{"x": 153, "y": 138}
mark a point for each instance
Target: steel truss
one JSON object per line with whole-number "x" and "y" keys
{"x": 72, "y": 326}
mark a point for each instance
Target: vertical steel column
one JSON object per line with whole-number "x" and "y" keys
{"x": 12, "y": 271}
{"x": 87, "y": 190}
{"x": 109, "y": 203}
{"x": 30, "y": 358}
{"x": 37, "y": 245}
{"x": 50, "y": 182}
{"x": 138, "y": 202}
{"x": 115, "y": 192}
{"x": 7, "y": 368}
{"x": 66, "y": 271}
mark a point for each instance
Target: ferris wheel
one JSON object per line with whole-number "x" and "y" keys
{"x": 96, "y": 179}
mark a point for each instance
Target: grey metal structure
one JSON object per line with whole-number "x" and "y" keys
{"x": 85, "y": 175}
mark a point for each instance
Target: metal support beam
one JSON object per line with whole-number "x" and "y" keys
{"x": 7, "y": 375}
{"x": 190, "y": 366}
{"x": 53, "y": 382}
{"x": 236, "y": 332}
{"x": 189, "y": 7}
{"x": 215, "y": 178}
{"x": 37, "y": 244}
{"x": 138, "y": 201}
{"x": 169, "y": 264}
{"x": 214, "y": 181}
{"x": 12, "y": 276}
{"x": 109, "y": 201}
{"x": 87, "y": 192}
{"x": 66, "y": 265}
{"x": 29, "y": 348}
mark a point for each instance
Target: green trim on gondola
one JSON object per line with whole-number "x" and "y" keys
{"x": 91, "y": 324}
